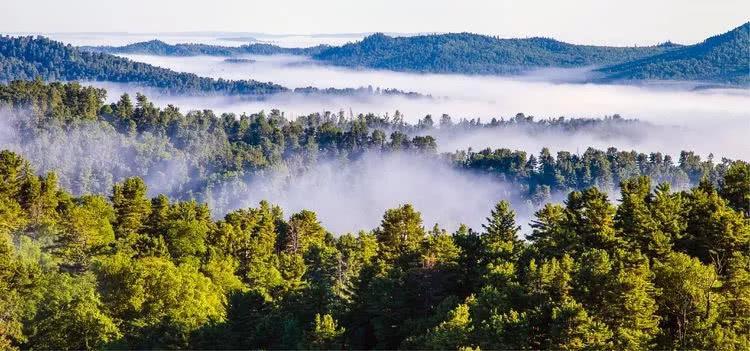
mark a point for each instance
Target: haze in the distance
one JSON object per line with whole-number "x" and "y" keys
{"x": 637, "y": 22}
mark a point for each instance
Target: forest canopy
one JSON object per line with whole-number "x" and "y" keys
{"x": 722, "y": 58}
{"x": 643, "y": 251}
{"x": 28, "y": 58}
{"x": 68, "y": 128}
{"x": 661, "y": 270}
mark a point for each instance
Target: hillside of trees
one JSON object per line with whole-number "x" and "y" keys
{"x": 160, "y": 48}
{"x": 91, "y": 258}
{"x": 660, "y": 270}
{"x": 39, "y": 57}
{"x": 467, "y": 53}
{"x": 720, "y": 59}
{"x": 92, "y": 145}
{"x": 462, "y": 53}
{"x": 723, "y": 58}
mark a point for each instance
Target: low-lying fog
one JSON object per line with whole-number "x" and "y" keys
{"x": 706, "y": 121}
{"x": 347, "y": 196}
{"x": 352, "y": 196}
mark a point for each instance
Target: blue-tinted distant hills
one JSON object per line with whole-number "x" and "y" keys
{"x": 160, "y": 48}
{"x": 723, "y": 58}
{"x": 24, "y": 58}
{"x": 28, "y": 58}
{"x": 467, "y": 53}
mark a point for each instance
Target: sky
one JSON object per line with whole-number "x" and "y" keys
{"x": 601, "y": 22}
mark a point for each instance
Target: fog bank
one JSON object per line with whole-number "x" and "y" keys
{"x": 706, "y": 121}
{"x": 349, "y": 196}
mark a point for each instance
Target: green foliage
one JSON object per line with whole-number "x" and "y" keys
{"x": 736, "y": 187}
{"x": 467, "y": 53}
{"x": 453, "y": 333}
{"x": 30, "y": 57}
{"x": 685, "y": 303}
{"x": 326, "y": 333}
{"x": 156, "y": 302}
{"x": 160, "y": 48}
{"x": 658, "y": 270}
{"x": 722, "y": 58}
{"x": 400, "y": 233}
{"x": 131, "y": 206}
{"x": 69, "y": 315}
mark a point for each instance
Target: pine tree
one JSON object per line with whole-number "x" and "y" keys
{"x": 132, "y": 207}
{"x": 400, "y": 234}
{"x": 326, "y": 333}
{"x": 633, "y": 218}
{"x": 736, "y": 187}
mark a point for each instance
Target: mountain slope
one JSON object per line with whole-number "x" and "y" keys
{"x": 723, "y": 58}
{"x": 475, "y": 54}
{"x": 31, "y": 57}
{"x": 160, "y": 48}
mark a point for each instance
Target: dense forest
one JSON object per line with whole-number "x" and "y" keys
{"x": 67, "y": 128}
{"x": 446, "y": 53}
{"x": 661, "y": 270}
{"x": 440, "y": 53}
{"x": 720, "y": 59}
{"x": 476, "y": 54}
{"x": 518, "y": 193}
{"x": 723, "y": 58}
{"x": 29, "y": 58}
{"x": 39, "y": 57}
{"x": 91, "y": 258}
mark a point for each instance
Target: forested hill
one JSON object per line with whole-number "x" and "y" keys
{"x": 160, "y": 48}
{"x": 32, "y": 57}
{"x": 722, "y": 58}
{"x": 660, "y": 269}
{"x": 476, "y": 54}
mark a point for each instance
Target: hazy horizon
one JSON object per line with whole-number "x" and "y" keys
{"x": 689, "y": 22}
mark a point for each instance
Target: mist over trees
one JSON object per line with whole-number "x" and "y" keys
{"x": 107, "y": 239}
{"x": 468, "y": 53}
{"x": 661, "y": 270}
{"x": 91, "y": 145}
{"x": 722, "y": 58}
{"x": 375, "y": 191}
{"x": 38, "y": 57}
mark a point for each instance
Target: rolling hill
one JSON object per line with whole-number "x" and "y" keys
{"x": 160, "y": 48}
{"x": 723, "y": 58}
{"x": 467, "y": 53}
{"x": 32, "y": 57}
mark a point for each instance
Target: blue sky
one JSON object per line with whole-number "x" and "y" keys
{"x": 581, "y": 21}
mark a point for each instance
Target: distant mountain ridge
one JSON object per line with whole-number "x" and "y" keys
{"x": 31, "y": 57}
{"x": 462, "y": 53}
{"x": 723, "y": 58}
{"x": 28, "y": 58}
{"x": 160, "y": 48}
{"x": 468, "y": 53}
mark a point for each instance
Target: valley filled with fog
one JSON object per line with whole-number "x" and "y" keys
{"x": 687, "y": 113}
{"x": 671, "y": 118}
{"x": 497, "y": 175}
{"x": 658, "y": 118}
